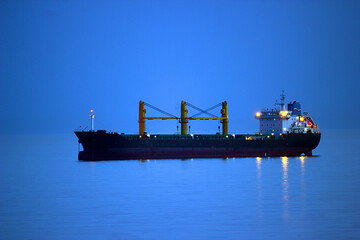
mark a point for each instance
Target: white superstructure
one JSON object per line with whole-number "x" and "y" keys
{"x": 285, "y": 119}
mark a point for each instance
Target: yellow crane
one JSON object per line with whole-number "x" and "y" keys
{"x": 184, "y": 119}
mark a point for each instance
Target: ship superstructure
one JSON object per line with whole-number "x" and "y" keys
{"x": 285, "y": 119}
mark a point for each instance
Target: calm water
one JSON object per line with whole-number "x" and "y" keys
{"x": 45, "y": 193}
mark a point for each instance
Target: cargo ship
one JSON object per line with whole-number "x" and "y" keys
{"x": 284, "y": 131}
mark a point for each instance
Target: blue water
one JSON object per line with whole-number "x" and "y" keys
{"x": 45, "y": 193}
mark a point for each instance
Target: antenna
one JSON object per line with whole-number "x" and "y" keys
{"x": 282, "y": 97}
{"x": 92, "y": 115}
{"x": 282, "y": 100}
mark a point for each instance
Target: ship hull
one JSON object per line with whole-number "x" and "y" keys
{"x": 112, "y": 146}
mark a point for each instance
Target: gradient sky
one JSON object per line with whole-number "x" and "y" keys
{"x": 59, "y": 59}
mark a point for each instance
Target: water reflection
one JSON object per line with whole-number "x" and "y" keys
{"x": 258, "y": 166}
{"x": 284, "y": 183}
{"x": 284, "y": 161}
{"x": 259, "y": 186}
{"x": 302, "y": 161}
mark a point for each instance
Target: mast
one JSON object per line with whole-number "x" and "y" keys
{"x": 282, "y": 101}
{"x": 92, "y": 115}
{"x": 184, "y": 118}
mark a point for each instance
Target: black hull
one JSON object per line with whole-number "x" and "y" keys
{"x": 112, "y": 146}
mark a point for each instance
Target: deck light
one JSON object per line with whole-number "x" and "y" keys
{"x": 92, "y": 115}
{"x": 258, "y": 114}
{"x": 283, "y": 113}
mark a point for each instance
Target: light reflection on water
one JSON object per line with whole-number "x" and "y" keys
{"x": 259, "y": 187}
{"x": 302, "y": 161}
{"x": 285, "y": 183}
{"x": 284, "y": 162}
{"x": 303, "y": 185}
{"x": 258, "y": 166}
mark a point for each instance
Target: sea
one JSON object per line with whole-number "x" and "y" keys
{"x": 46, "y": 193}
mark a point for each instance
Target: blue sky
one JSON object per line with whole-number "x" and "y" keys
{"x": 59, "y": 59}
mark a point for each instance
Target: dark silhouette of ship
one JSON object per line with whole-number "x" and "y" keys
{"x": 284, "y": 131}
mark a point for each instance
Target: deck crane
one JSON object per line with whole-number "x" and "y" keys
{"x": 184, "y": 118}
{"x": 142, "y": 117}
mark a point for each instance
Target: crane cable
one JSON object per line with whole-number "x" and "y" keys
{"x": 159, "y": 110}
{"x": 204, "y": 111}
